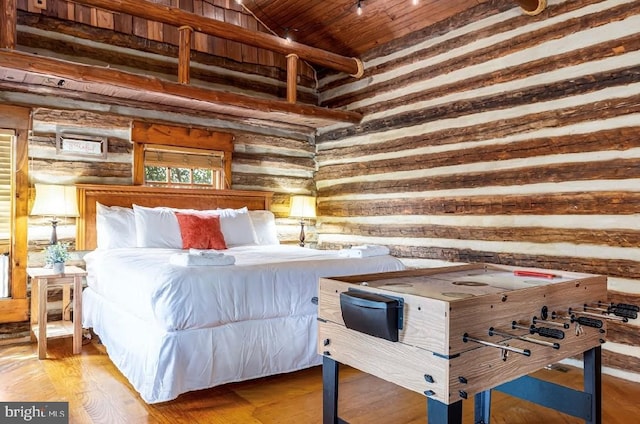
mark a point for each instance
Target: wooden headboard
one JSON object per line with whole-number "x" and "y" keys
{"x": 118, "y": 195}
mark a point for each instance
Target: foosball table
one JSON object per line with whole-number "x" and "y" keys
{"x": 458, "y": 332}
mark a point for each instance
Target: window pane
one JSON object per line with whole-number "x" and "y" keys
{"x": 177, "y": 166}
{"x": 180, "y": 175}
{"x": 155, "y": 174}
{"x": 202, "y": 176}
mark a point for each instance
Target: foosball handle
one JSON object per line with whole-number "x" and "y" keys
{"x": 627, "y": 306}
{"x": 624, "y": 312}
{"x": 586, "y": 321}
{"x": 552, "y": 333}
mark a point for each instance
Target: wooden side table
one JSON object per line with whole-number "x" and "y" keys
{"x": 43, "y": 279}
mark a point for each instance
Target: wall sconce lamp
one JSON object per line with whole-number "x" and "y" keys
{"x": 302, "y": 207}
{"x": 55, "y": 201}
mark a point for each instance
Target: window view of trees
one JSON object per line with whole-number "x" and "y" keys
{"x": 170, "y": 175}
{"x": 183, "y": 166}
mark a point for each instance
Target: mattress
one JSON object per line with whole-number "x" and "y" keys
{"x": 265, "y": 282}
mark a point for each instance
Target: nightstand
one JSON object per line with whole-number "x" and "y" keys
{"x": 43, "y": 279}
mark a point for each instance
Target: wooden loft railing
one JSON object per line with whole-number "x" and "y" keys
{"x": 188, "y": 22}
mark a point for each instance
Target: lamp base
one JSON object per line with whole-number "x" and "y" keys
{"x": 302, "y": 236}
{"x": 54, "y": 234}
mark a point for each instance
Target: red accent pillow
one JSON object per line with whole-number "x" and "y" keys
{"x": 200, "y": 231}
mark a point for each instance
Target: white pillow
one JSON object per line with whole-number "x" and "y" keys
{"x": 264, "y": 225}
{"x": 236, "y": 227}
{"x": 115, "y": 227}
{"x": 157, "y": 227}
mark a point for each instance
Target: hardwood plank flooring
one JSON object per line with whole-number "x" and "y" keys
{"x": 98, "y": 393}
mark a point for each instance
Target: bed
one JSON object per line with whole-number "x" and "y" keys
{"x": 171, "y": 329}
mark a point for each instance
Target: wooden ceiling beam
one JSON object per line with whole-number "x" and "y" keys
{"x": 31, "y": 96}
{"x": 55, "y": 68}
{"x": 178, "y": 17}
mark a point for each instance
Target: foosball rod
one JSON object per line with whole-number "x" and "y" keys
{"x": 591, "y": 314}
{"x": 634, "y": 308}
{"x": 493, "y": 331}
{"x": 552, "y": 333}
{"x": 537, "y": 320}
{"x": 525, "y": 352}
{"x": 619, "y": 312}
{"x": 586, "y": 321}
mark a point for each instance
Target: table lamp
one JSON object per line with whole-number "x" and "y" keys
{"x": 55, "y": 201}
{"x": 302, "y": 207}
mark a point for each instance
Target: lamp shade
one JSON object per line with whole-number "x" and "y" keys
{"x": 303, "y": 207}
{"x": 55, "y": 200}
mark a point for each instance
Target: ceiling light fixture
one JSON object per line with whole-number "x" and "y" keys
{"x": 415, "y": 2}
{"x": 359, "y": 8}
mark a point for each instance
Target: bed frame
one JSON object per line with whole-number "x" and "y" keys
{"x": 184, "y": 198}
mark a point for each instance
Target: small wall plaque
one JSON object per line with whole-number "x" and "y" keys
{"x": 83, "y": 145}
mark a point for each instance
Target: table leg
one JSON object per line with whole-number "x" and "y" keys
{"x": 66, "y": 298}
{"x": 77, "y": 314}
{"x": 593, "y": 382}
{"x": 440, "y": 413}
{"x": 34, "y": 308}
{"x": 330, "y": 374}
{"x": 482, "y": 407}
{"x": 42, "y": 318}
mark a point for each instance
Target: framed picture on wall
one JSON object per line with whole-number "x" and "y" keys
{"x": 68, "y": 144}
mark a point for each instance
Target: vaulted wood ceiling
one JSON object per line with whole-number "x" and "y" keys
{"x": 64, "y": 30}
{"x": 336, "y": 26}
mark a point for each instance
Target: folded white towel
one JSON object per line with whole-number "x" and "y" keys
{"x": 185, "y": 259}
{"x": 211, "y": 253}
{"x": 364, "y": 251}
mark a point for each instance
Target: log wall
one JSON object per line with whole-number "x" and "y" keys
{"x": 502, "y": 138}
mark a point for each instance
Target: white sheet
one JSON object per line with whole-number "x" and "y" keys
{"x": 170, "y": 333}
{"x": 161, "y": 365}
{"x": 266, "y": 282}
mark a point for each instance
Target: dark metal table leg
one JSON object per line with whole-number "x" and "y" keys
{"x": 440, "y": 413}
{"x": 593, "y": 382}
{"x": 482, "y": 410}
{"x": 330, "y": 369}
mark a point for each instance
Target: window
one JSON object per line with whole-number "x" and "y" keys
{"x": 6, "y": 141}
{"x": 181, "y": 156}
{"x": 181, "y": 166}
{"x": 17, "y": 121}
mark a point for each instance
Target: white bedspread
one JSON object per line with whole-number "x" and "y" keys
{"x": 265, "y": 282}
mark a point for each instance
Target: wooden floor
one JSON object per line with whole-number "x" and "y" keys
{"x": 98, "y": 393}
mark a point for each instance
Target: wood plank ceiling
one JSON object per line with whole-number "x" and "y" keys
{"x": 336, "y": 26}
{"x": 330, "y": 25}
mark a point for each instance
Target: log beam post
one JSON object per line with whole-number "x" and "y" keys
{"x": 9, "y": 12}
{"x": 292, "y": 77}
{"x": 178, "y": 17}
{"x": 532, "y": 7}
{"x": 184, "y": 55}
